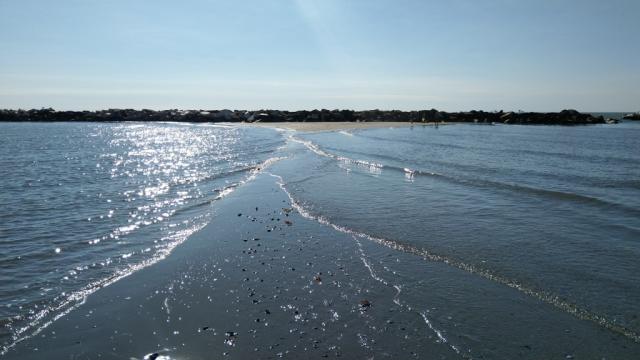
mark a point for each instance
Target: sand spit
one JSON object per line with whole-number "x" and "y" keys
{"x": 334, "y": 126}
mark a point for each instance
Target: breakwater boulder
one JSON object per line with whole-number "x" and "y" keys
{"x": 634, "y": 116}
{"x": 564, "y": 117}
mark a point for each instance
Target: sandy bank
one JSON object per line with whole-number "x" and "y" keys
{"x": 332, "y": 126}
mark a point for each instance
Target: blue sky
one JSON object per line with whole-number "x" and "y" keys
{"x": 537, "y": 55}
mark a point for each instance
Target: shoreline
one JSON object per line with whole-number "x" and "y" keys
{"x": 318, "y": 255}
{"x": 262, "y": 280}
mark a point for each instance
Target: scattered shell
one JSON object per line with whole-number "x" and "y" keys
{"x": 365, "y": 304}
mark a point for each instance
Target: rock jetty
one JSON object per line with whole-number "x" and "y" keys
{"x": 564, "y": 117}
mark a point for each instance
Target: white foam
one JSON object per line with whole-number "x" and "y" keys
{"x": 373, "y": 167}
{"x": 366, "y": 263}
{"x": 409, "y": 174}
{"x": 396, "y": 298}
{"x": 438, "y": 333}
{"x": 311, "y": 146}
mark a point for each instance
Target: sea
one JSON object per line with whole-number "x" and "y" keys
{"x": 550, "y": 211}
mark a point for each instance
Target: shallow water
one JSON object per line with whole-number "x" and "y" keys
{"x": 85, "y": 204}
{"x": 265, "y": 280}
{"x": 531, "y": 225}
{"x": 552, "y": 211}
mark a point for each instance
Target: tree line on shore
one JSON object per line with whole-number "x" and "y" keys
{"x": 564, "y": 117}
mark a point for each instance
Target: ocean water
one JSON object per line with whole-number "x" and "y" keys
{"x": 552, "y": 212}
{"x": 83, "y": 205}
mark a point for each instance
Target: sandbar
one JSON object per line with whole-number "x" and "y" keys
{"x": 333, "y": 126}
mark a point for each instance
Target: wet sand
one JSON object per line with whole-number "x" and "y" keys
{"x": 333, "y": 126}
{"x": 263, "y": 281}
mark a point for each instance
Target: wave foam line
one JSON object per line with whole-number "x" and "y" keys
{"x": 410, "y": 174}
{"x": 43, "y": 318}
{"x": 366, "y": 263}
{"x": 438, "y": 333}
{"x": 311, "y": 146}
{"x": 317, "y": 150}
{"x": 543, "y": 296}
{"x": 396, "y": 299}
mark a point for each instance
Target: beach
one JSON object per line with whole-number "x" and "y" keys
{"x": 333, "y": 126}
{"x": 197, "y": 241}
{"x": 263, "y": 281}
{"x": 319, "y": 179}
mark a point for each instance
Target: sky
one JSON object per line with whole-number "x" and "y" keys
{"x": 453, "y": 55}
